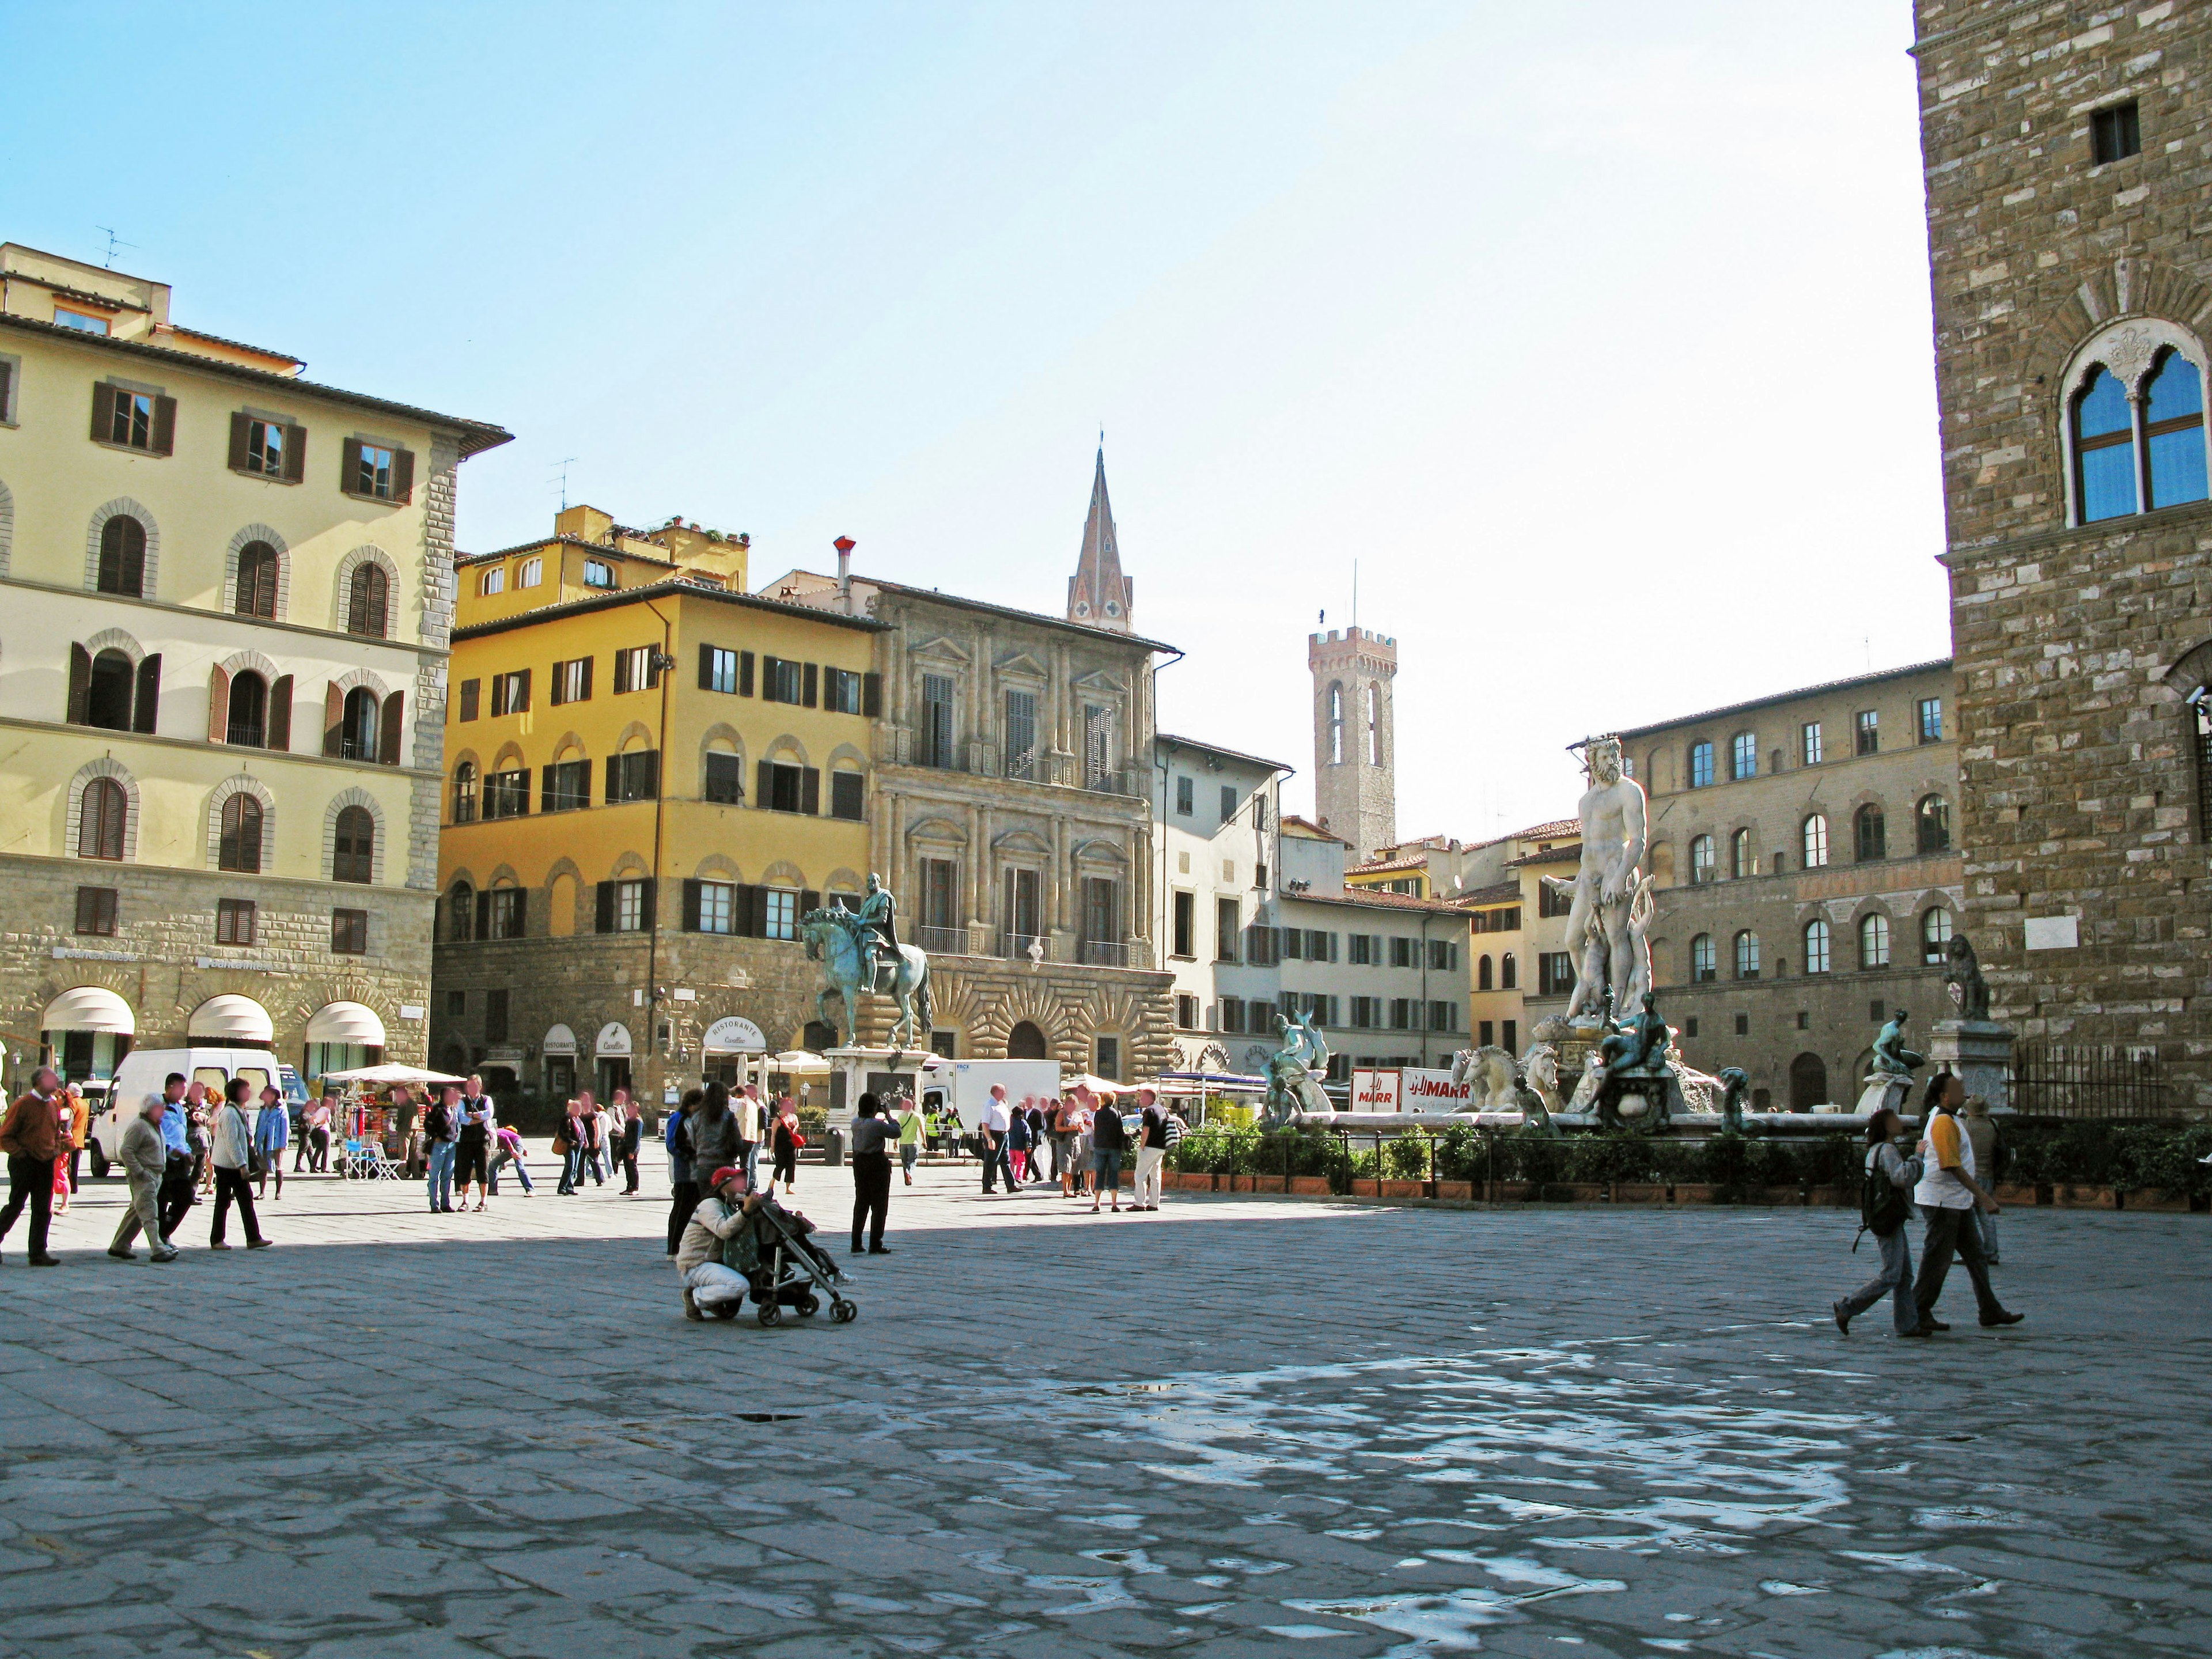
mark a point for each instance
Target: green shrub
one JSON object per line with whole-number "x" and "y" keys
{"x": 1405, "y": 1158}
{"x": 1462, "y": 1153}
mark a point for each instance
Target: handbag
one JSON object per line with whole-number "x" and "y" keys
{"x": 561, "y": 1144}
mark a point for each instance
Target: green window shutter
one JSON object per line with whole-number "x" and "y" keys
{"x": 691, "y": 905}
{"x": 744, "y": 673}
{"x": 809, "y": 684}
{"x": 871, "y": 695}
{"x": 810, "y": 789}
{"x": 241, "y": 431}
{"x": 604, "y": 918}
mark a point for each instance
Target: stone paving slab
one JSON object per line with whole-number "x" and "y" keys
{"x": 1243, "y": 1425}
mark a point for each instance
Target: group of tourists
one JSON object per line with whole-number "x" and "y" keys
{"x": 712, "y": 1128}
{"x": 1089, "y": 1139}
{"x": 1948, "y": 1175}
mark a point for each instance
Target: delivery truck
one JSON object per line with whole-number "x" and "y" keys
{"x": 964, "y": 1087}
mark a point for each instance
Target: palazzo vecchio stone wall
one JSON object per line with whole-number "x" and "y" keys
{"x": 2077, "y": 643}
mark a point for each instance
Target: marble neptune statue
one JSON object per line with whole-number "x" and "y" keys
{"x": 1604, "y": 933}
{"x": 1295, "y": 1071}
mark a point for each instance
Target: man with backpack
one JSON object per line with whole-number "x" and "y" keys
{"x": 442, "y": 1134}
{"x": 1884, "y": 1210}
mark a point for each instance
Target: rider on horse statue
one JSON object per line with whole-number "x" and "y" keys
{"x": 875, "y": 930}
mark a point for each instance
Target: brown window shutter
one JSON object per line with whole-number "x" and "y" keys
{"x": 809, "y": 900}
{"x": 769, "y": 693}
{"x": 387, "y": 729}
{"x": 350, "y": 467}
{"x": 553, "y": 694}
{"x": 483, "y": 914}
{"x": 403, "y": 475}
{"x": 871, "y": 695}
{"x": 810, "y": 789}
{"x": 280, "y": 713}
{"x": 584, "y": 695}
{"x": 691, "y": 905}
{"x": 295, "y": 453}
{"x": 165, "y": 426}
{"x": 764, "y": 792}
{"x": 706, "y": 670}
{"x": 218, "y": 705}
{"x": 333, "y": 717}
{"x": 743, "y": 921}
{"x": 522, "y": 695}
{"x": 241, "y": 428}
{"x": 80, "y": 685}
{"x": 146, "y": 706}
{"x": 602, "y": 919}
{"x": 810, "y": 688}
{"x": 103, "y": 414}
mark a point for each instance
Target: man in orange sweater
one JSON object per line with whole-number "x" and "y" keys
{"x": 30, "y": 1134}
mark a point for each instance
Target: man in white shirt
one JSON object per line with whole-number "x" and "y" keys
{"x": 747, "y": 1110}
{"x": 992, "y": 1135}
{"x": 1948, "y": 1194}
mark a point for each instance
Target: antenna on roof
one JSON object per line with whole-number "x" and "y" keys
{"x": 563, "y": 476}
{"x": 1355, "y": 598}
{"x": 108, "y": 262}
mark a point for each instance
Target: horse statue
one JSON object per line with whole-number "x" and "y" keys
{"x": 1295, "y": 1071}
{"x": 832, "y": 937}
{"x": 1490, "y": 1078}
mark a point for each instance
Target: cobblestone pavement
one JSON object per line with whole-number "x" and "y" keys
{"x": 1238, "y": 1426}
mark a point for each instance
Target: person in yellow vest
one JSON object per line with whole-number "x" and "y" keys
{"x": 1948, "y": 1194}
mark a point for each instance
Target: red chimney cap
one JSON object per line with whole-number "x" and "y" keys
{"x": 843, "y": 544}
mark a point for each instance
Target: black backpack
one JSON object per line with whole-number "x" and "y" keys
{"x": 435, "y": 1123}
{"x": 1882, "y": 1205}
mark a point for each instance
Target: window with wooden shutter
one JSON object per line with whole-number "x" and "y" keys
{"x": 691, "y": 886}
{"x": 871, "y": 695}
{"x": 7, "y": 392}
{"x": 257, "y": 581}
{"x": 295, "y": 454}
{"x": 744, "y": 673}
{"x": 353, "y": 848}
{"x": 123, "y": 556}
{"x": 810, "y": 683}
{"x": 218, "y": 727}
{"x": 771, "y": 679}
{"x": 280, "y": 713}
{"x": 241, "y": 426}
{"x": 369, "y": 602}
{"x": 469, "y": 691}
{"x": 403, "y": 475}
{"x": 146, "y": 706}
{"x": 603, "y": 910}
{"x": 100, "y": 815}
{"x": 164, "y": 427}
{"x": 333, "y": 719}
{"x": 80, "y": 685}
{"x": 810, "y": 789}
{"x": 395, "y": 710}
{"x": 239, "y": 847}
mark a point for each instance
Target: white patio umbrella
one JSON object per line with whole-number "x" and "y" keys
{"x": 1097, "y": 1086}
{"x": 796, "y": 1062}
{"x": 390, "y": 1072}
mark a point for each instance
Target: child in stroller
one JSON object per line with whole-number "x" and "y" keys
{"x": 739, "y": 1244}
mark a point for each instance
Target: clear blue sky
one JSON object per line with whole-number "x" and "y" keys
{"x": 1597, "y": 331}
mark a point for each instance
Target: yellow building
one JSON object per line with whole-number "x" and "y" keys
{"x": 223, "y": 674}
{"x": 650, "y": 773}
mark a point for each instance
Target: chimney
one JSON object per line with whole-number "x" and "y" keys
{"x": 844, "y": 545}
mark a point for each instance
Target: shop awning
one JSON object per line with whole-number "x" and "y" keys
{"x": 346, "y": 1022}
{"x": 560, "y": 1040}
{"x": 231, "y": 1019}
{"x": 735, "y": 1035}
{"x": 89, "y": 1008}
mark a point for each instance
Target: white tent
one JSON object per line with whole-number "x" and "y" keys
{"x": 796, "y": 1062}
{"x": 389, "y": 1072}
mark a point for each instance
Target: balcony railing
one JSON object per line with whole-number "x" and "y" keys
{"x": 1017, "y": 947}
{"x": 943, "y": 941}
{"x": 1113, "y": 953}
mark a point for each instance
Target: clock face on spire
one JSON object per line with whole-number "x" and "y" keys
{"x": 1098, "y": 593}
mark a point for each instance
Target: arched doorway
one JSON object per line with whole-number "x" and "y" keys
{"x": 817, "y": 1036}
{"x": 1025, "y": 1042}
{"x": 1809, "y": 1083}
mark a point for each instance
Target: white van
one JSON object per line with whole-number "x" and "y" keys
{"x": 965, "y": 1089}
{"x": 142, "y": 1071}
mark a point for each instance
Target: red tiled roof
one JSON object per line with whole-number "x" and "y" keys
{"x": 1566, "y": 853}
{"x": 1376, "y": 899}
{"x": 1503, "y": 892}
{"x": 1291, "y": 820}
{"x": 1551, "y": 831}
{"x": 1377, "y": 865}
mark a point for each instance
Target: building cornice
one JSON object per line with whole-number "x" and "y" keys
{"x": 251, "y": 624}
{"x": 111, "y": 738}
{"x": 675, "y": 587}
{"x": 1960, "y": 554}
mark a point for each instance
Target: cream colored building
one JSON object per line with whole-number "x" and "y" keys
{"x": 222, "y": 671}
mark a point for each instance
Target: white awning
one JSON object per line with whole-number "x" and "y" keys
{"x": 231, "y": 1019}
{"x": 89, "y": 1008}
{"x": 614, "y": 1038}
{"x": 735, "y": 1035}
{"x": 346, "y": 1022}
{"x": 558, "y": 1041}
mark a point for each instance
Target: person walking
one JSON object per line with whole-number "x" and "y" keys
{"x": 1948, "y": 1193}
{"x": 31, "y": 1136}
{"x": 709, "y": 1283}
{"x": 626, "y": 1144}
{"x": 1017, "y": 1147}
{"x": 991, "y": 1136}
{"x": 683, "y": 1177}
{"x": 199, "y": 1133}
{"x": 1981, "y": 1130}
{"x": 472, "y": 1145}
{"x": 605, "y": 1123}
{"x": 79, "y": 1126}
{"x": 441, "y": 1134}
{"x": 316, "y": 1118}
{"x": 63, "y": 1119}
{"x": 144, "y": 1161}
{"x": 714, "y": 1132}
{"x": 176, "y": 1193}
{"x": 567, "y": 1140}
{"x": 871, "y": 1174}
{"x": 507, "y": 1144}
{"x": 783, "y": 1146}
{"x": 752, "y": 1122}
{"x": 1151, "y": 1149}
{"x": 230, "y": 1154}
{"x": 909, "y": 1138}
{"x": 1109, "y": 1138}
{"x": 593, "y": 1122}
{"x": 272, "y": 1132}
{"x": 1886, "y": 1211}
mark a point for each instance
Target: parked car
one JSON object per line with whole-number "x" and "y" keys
{"x": 140, "y": 1073}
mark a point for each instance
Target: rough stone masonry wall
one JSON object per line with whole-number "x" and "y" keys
{"x": 165, "y": 927}
{"x": 437, "y": 579}
{"x": 2076, "y": 780}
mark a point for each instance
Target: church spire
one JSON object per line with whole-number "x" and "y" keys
{"x": 1099, "y": 595}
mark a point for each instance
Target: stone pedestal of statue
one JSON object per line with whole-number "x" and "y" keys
{"x": 1884, "y": 1089}
{"x": 1979, "y": 1053}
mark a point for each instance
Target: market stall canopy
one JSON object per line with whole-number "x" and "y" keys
{"x": 389, "y": 1073}
{"x": 89, "y": 1008}
{"x": 795, "y": 1060}
{"x": 559, "y": 1039}
{"x": 346, "y": 1022}
{"x": 231, "y": 1019}
{"x": 1097, "y": 1086}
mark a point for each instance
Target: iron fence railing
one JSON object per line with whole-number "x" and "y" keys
{"x": 942, "y": 941}
{"x": 2064, "y": 1079}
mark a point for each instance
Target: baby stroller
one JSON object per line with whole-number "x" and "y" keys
{"x": 789, "y": 1271}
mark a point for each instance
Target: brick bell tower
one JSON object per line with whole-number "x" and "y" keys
{"x": 1355, "y": 736}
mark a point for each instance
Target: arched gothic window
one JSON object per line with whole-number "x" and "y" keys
{"x": 1482, "y": 975}
{"x": 1874, "y": 941}
{"x": 100, "y": 816}
{"x": 257, "y": 579}
{"x": 123, "y": 556}
{"x": 1701, "y": 859}
{"x": 249, "y": 710}
{"x": 1935, "y": 935}
{"x": 357, "y": 727}
{"x": 1509, "y": 973}
{"x": 1870, "y": 836}
{"x": 240, "y": 848}
{"x": 1816, "y": 946}
{"x": 1336, "y": 726}
{"x": 1816, "y": 841}
{"x": 368, "y": 601}
{"x": 1931, "y": 824}
{"x": 1746, "y": 955}
{"x": 1742, "y": 861}
{"x": 465, "y": 792}
{"x": 353, "y": 849}
{"x": 2104, "y": 447}
{"x": 2174, "y": 431}
{"x": 461, "y": 914}
{"x": 1704, "y": 965}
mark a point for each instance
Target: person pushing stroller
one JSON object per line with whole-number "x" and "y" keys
{"x": 721, "y": 1249}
